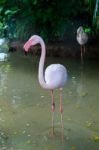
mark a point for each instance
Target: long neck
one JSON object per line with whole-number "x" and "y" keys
{"x": 41, "y": 66}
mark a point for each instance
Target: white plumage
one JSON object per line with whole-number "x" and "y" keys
{"x": 55, "y": 76}
{"x": 82, "y": 39}
{"x": 3, "y": 56}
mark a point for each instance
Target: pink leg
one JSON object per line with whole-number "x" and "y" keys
{"x": 53, "y": 111}
{"x": 61, "y": 111}
{"x": 81, "y": 55}
{"x": 84, "y": 49}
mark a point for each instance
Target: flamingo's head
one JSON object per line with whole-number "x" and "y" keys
{"x": 33, "y": 40}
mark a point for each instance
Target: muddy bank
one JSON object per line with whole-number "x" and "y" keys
{"x": 60, "y": 49}
{"x": 67, "y": 48}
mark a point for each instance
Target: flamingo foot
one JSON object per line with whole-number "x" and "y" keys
{"x": 52, "y": 133}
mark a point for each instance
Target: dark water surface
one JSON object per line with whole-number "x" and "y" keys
{"x": 25, "y": 108}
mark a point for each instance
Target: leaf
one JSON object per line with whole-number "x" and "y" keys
{"x": 1, "y": 9}
{"x": 87, "y": 30}
{"x": 10, "y": 12}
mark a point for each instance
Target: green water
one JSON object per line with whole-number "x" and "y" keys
{"x": 25, "y": 108}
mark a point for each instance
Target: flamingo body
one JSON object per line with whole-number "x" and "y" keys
{"x": 3, "y": 56}
{"x": 55, "y": 76}
{"x": 82, "y": 39}
{"x": 2, "y": 41}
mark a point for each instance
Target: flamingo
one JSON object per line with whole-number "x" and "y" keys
{"x": 2, "y": 41}
{"x": 3, "y": 49}
{"x": 55, "y": 76}
{"x": 82, "y": 39}
{"x": 3, "y": 56}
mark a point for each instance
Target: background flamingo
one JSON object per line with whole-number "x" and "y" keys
{"x": 82, "y": 39}
{"x": 3, "y": 56}
{"x": 4, "y": 47}
{"x": 55, "y": 76}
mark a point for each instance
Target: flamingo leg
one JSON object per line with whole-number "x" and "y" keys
{"x": 84, "y": 49}
{"x": 53, "y": 111}
{"x": 81, "y": 55}
{"x": 61, "y": 111}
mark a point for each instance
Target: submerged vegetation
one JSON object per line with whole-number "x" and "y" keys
{"x": 19, "y": 18}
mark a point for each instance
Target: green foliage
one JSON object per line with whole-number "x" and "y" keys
{"x": 1, "y": 28}
{"x": 87, "y": 30}
{"x": 91, "y": 6}
{"x": 45, "y": 17}
{"x": 96, "y": 15}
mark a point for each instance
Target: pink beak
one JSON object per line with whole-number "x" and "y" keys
{"x": 27, "y": 45}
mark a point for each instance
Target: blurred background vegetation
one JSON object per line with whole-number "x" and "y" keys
{"x": 48, "y": 18}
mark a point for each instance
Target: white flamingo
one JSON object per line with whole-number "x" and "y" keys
{"x": 3, "y": 56}
{"x": 3, "y": 49}
{"x": 55, "y": 76}
{"x": 82, "y": 39}
{"x": 2, "y": 41}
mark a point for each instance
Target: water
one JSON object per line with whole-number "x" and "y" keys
{"x": 25, "y": 108}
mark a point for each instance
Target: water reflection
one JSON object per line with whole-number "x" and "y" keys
{"x": 81, "y": 86}
{"x": 4, "y": 69}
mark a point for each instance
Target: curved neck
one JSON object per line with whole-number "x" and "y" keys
{"x": 41, "y": 66}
